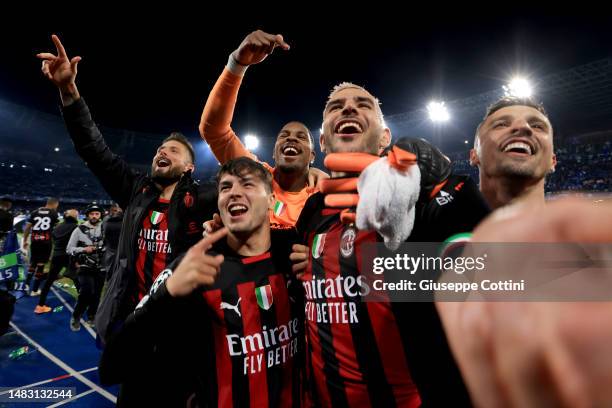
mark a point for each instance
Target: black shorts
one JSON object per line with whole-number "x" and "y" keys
{"x": 39, "y": 253}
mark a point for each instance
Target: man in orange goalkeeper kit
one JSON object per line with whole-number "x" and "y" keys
{"x": 294, "y": 180}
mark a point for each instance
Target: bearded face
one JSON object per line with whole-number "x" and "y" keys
{"x": 170, "y": 162}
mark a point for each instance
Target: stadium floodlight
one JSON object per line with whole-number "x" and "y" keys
{"x": 56, "y": 149}
{"x": 438, "y": 112}
{"x": 519, "y": 88}
{"x": 251, "y": 142}
{"x": 466, "y": 142}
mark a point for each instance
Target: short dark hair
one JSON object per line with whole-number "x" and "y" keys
{"x": 242, "y": 166}
{"x": 305, "y": 127}
{"x": 179, "y": 137}
{"x": 506, "y": 101}
{"x": 52, "y": 201}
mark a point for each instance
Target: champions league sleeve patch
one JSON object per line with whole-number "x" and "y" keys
{"x": 165, "y": 274}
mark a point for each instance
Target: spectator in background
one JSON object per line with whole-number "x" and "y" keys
{"x": 111, "y": 229}
{"x": 86, "y": 245}
{"x": 60, "y": 259}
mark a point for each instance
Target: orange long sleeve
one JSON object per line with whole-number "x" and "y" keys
{"x": 215, "y": 124}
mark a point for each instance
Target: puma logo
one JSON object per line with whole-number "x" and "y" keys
{"x": 225, "y": 305}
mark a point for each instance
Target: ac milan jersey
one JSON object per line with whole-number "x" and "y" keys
{"x": 378, "y": 353}
{"x": 243, "y": 336}
{"x": 153, "y": 249}
{"x": 43, "y": 220}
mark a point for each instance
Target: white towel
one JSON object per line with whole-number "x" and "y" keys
{"x": 387, "y": 197}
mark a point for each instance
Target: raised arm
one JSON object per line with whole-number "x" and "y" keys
{"x": 215, "y": 124}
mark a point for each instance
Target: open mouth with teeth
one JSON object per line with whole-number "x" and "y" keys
{"x": 163, "y": 162}
{"x": 518, "y": 148}
{"x": 290, "y": 150}
{"x": 236, "y": 210}
{"x": 348, "y": 128}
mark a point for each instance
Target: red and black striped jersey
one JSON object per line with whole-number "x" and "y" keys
{"x": 374, "y": 354}
{"x": 43, "y": 220}
{"x": 240, "y": 339}
{"x": 154, "y": 252}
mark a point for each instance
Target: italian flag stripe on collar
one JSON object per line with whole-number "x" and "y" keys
{"x": 278, "y": 207}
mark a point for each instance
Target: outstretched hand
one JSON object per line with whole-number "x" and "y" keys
{"x": 61, "y": 70}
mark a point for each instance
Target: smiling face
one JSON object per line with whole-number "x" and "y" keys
{"x": 514, "y": 141}
{"x": 352, "y": 122}
{"x": 293, "y": 150}
{"x": 171, "y": 161}
{"x": 245, "y": 199}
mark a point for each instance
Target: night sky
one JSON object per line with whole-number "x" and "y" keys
{"x": 153, "y": 74}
